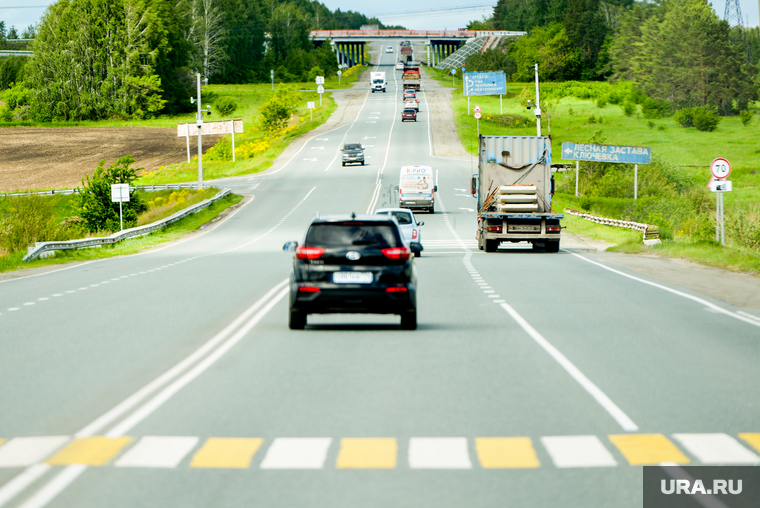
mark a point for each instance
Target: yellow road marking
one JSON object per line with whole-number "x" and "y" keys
{"x": 227, "y": 452}
{"x": 90, "y": 451}
{"x": 367, "y": 453}
{"x": 753, "y": 438}
{"x": 506, "y": 452}
{"x": 647, "y": 449}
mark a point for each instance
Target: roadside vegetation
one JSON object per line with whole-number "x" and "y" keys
{"x": 10, "y": 261}
{"x": 27, "y": 219}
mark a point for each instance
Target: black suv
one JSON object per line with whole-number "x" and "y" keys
{"x": 352, "y": 264}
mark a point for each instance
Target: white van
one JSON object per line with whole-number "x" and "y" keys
{"x": 416, "y": 188}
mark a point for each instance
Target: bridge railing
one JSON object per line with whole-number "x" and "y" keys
{"x": 317, "y": 34}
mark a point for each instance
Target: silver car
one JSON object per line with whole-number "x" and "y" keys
{"x": 410, "y": 228}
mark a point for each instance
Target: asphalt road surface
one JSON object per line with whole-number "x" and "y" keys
{"x": 171, "y": 379}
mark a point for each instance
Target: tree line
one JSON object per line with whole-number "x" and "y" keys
{"x": 97, "y": 59}
{"x": 678, "y": 52}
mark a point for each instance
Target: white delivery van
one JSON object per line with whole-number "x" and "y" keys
{"x": 377, "y": 81}
{"x": 416, "y": 188}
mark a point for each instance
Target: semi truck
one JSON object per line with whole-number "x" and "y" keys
{"x": 377, "y": 81}
{"x": 411, "y": 77}
{"x": 514, "y": 189}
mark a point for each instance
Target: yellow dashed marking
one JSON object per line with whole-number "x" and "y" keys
{"x": 506, "y": 452}
{"x": 227, "y": 452}
{"x": 90, "y": 451}
{"x": 753, "y": 438}
{"x": 647, "y": 449}
{"x": 367, "y": 453}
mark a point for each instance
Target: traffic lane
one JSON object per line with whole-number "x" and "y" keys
{"x": 467, "y": 370}
{"x": 544, "y": 487}
{"x": 668, "y": 362}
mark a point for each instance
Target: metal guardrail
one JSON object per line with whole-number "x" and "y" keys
{"x": 68, "y": 192}
{"x": 15, "y": 52}
{"x": 651, "y": 233}
{"x": 42, "y": 247}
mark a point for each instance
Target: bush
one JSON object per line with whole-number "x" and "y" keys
{"x": 744, "y": 227}
{"x": 629, "y": 107}
{"x": 746, "y": 117}
{"x": 652, "y": 108}
{"x": 314, "y": 72}
{"x": 28, "y": 219}
{"x": 706, "y": 120}
{"x": 94, "y": 200}
{"x": 601, "y": 102}
{"x": 226, "y": 106}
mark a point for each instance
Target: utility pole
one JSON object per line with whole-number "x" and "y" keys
{"x": 538, "y": 106}
{"x": 199, "y": 122}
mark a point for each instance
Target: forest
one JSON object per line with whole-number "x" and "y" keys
{"x": 678, "y": 52}
{"x": 96, "y": 59}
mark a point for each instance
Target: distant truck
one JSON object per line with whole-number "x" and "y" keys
{"x": 514, "y": 188}
{"x": 406, "y": 50}
{"x": 377, "y": 81}
{"x": 416, "y": 188}
{"x": 411, "y": 77}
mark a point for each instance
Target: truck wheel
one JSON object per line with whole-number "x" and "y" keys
{"x": 409, "y": 320}
{"x": 297, "y": 320}
{"x": 492, "y": 245}
{"x": 480, "y": 243}
{"x": 552, "y": 246}
{"x": 362, "y": 163}
{"x": 431, "y": 209}
{"x": 343, "y": 163}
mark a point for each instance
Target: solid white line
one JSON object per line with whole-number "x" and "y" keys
{"x": 54, "y": 487}
{"x": 716, "y": 308}
{"x": 623, "y": 420}
{"x": 147, "y": 409}
{"x": 175, "y": 371}
{"x": 19, "y": 483}
{"x": 748, "y": 315}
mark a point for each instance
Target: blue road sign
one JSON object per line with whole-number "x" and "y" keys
{"x": 485, "y": 83}
{"x": 606, "y": 153}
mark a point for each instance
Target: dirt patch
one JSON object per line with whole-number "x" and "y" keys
{"x": 59, "y": 157}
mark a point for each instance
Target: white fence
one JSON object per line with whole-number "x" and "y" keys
{"x": 651, "y": 233}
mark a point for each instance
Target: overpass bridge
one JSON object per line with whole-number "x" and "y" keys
{"x": 350, "y": 44}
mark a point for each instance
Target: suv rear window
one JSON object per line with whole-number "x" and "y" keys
{"x": 353, "y": 234}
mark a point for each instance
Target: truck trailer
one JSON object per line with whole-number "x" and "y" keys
{"x": 514, "y": 189}
{"x": 411, "y": 77}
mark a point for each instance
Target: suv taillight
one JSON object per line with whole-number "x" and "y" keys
{"x": 414, "y": 234}
{"x": 397, "y": 253}
{"x": 304, "y": 252}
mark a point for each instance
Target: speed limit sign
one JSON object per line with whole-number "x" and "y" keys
{"x": 720, "y": 168}
{"x": 477, "y": 115}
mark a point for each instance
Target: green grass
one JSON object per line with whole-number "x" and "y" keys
{"x": 130, "y": 246}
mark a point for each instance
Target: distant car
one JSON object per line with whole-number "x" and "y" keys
{"x": 410, "y": 94}
{"x": 399, "y": 66}
{"x": 389, "y": 49}
{"x": 352, "y": 264}
{"x": 408, "y": 114}
{"x": 409, "y": 226}
{"x": 353, "y": 153}
{"x": 412, "y": 104}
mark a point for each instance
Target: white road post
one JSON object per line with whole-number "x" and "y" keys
{"x": 271, "y": 75}
{"x": 635, "y": 181}
{"x": 187, "y": 135}
{"x": 538, "y": 107}
{"x": 501, "y": 105}
{"x": 233, "y": 139}
{"x": 717, "y": 217}
{"x": 468, "y": 104}
{"x": 121, "y": 214}
{"x": 577, "y": 167}
{"x": 199, "y": 122}
{"x": 722, "y": 221}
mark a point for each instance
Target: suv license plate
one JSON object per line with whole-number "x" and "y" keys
{"x": 524, "y": 229}
{"x": 353, "y": 277}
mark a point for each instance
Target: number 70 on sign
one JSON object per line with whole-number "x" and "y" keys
{"x": 720, "y": 168}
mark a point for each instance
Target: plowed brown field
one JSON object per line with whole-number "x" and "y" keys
{"x": 57, "y": 157}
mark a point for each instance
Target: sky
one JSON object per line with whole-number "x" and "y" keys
{"x": 419, "y": 15}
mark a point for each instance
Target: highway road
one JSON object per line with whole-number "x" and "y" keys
{"x": 171, "y": 379}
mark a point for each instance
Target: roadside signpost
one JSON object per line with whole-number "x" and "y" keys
{"x": 619, "y": 154}
{"x": 477, "y": 116}
{"x": 320, "y": 91}
{"x": 310, "y": 105}
{"x": 271, "y": 75}
{"x": 120, "y": 194}
{"x": 339, "y": 74}
{"x": 211, "y": 128}
{"x": 483, "y": 83}
{"x": 453, "y": 73}
{"x": 720, "y": 169}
